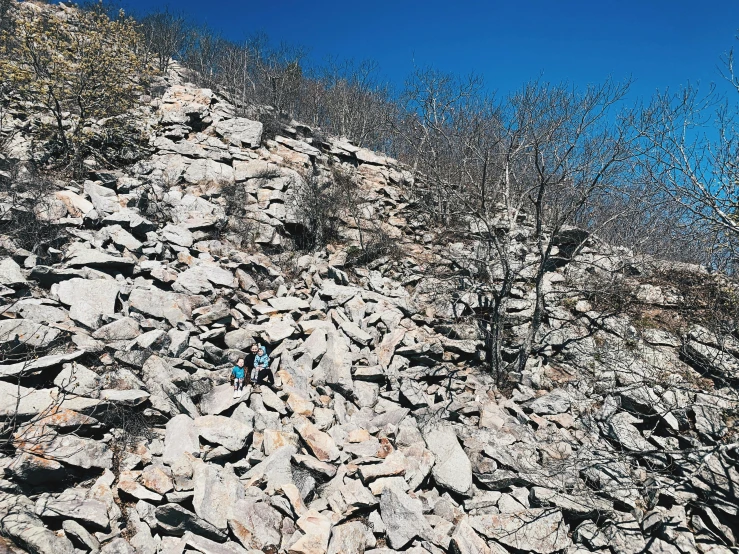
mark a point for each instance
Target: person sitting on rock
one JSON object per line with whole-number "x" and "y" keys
{"x": 238, "y": 374}
{"x": 261, "y": 374}
{"x": 251, "y": 355}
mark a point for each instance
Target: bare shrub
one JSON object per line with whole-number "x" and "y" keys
{"x": 319, "y": 201}
{"x": 28, "y": 210}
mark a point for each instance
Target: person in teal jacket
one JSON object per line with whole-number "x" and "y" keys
{"x": 238, "y": 374}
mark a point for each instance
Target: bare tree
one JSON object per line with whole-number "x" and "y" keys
{"x": 494, "y": 171}
{"x": 693, "y": 160}
{"x": 166, "y": 35}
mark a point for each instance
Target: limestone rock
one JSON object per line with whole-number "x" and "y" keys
{"x": 452, "y": 469}
{"x": 181, "y": 437}
{"x": 89, "y": 300}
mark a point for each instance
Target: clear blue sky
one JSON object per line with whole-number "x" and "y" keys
{"x": 660, "y": 43}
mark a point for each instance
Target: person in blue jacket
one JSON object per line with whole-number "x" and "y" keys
{"x": 238, "y": 374}
{"x": 261, "y": 374}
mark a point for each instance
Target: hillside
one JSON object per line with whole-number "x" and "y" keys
{"x": 385, "y": 430}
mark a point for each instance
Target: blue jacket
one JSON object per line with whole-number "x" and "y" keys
{"x": 261, "y": 361}
{"x": 238, "y": 372}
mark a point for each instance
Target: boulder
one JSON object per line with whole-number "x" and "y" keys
{"x": 72, "y": 450}
{"x": 181, "y": 436}
{"x": 348, "y": 538}
{"x": 452, "y": 469}
{"x": 20, "y": 334}
{"x": 535, "y": 530}
{"x": 255, "y": 524}
{"x": 216, "y": 491}
{"x": 21, "y": 524}
{"x": 224, "y": 431}
{"x": 44, "y": 362}
{"x": 89, "y": 300}
{"x": 176, "y": 520}
{"x": 77, "y": 379}
{"x": 177, "y": 234}
{"x": 157, "y": 303}
{"x": 90, "y": 258}
{"x": 335, "y": 366}
{"x": 74, "y": 504}
{"x": 11, "y": 274}
{"x": 403, "y": 518}
{"x": 240, "y": 131}
{"x": 321, "y": 444}
{"x": 125, "y": 328}
{"x": 206, "y": 172}
{"x": 317, "y": 529}
{"x": 220, "y": 399}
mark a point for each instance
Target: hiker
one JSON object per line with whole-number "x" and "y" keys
{"x": 261, "y": 374}
{"x": 249, "y": 361}
{"x": 237, "y": 375}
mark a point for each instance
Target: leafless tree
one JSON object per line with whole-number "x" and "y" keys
{"x": 167, "y": 36}
{"x": 529, "y": 165}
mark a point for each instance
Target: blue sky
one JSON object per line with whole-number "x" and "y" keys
{"x": 659, "y": 43}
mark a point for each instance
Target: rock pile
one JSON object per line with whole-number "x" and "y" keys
{"x": 384, "y": 432}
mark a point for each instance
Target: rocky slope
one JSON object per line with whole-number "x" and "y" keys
{"x": 384, "y": 432}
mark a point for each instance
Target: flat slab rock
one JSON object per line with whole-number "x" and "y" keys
{"x": 536, "y": 530}
{"x": 452, "y": 468}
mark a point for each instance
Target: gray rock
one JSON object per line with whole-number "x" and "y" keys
{"x": 466, "y": 541}
{"x": 403, "y": 518}
{"x": 176, "y": 520}
{"x": 33, "y": 469}
{"x": 275, "y": 469}
{"x": 177, "y": 234}
{"x": 577, "y": 505}
{"x": 335, "y": 366}
{"x": 205, "y": 171}
{"x": 89, "y": 258}
{"x": 103, "y": 199}
{"x": 216, "y": 491}
{"x": 11, "y": 274}
{"x": 29, "y": 334}
{"x": 240, "y": 131}
{"x": 75, "y": 451}
{"x": 121, "y": 238}
{"x": 207, "y": 546}
{"x": 452, "y": 469}
{"x": 349, "y": 538}
{"x": 255, "y": 524}
{"x": 181, "y": 436}
{"x": 621, "y": 428}
{"x": 80, "y": 536}
{"x": 158, "y": 303}
{"x": 536, "y": 530}
{"x": 556, "y": 402}
{"x": 125, "y": 328}
{"x": 89, "y": 300}
{"x": 225, "y": 431}
{"x": 130, "y": 397}
{"x": 219, "y": 399}
{"x": 164, "y": 382}
{"x": 131, "y": 220}
{"x": 73, "y": 504}
{"x": 239, "y": 339}
{"x": 40, "y": 313}
{"x": 75, "y": 378}
{"x": 23, "y": 526}
{"x": 44, "y": 362}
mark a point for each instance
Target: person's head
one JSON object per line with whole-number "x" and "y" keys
{"x": 240, "y": 362}
{"x": 254, "y": 348}
{"x": 260, "y": 351}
